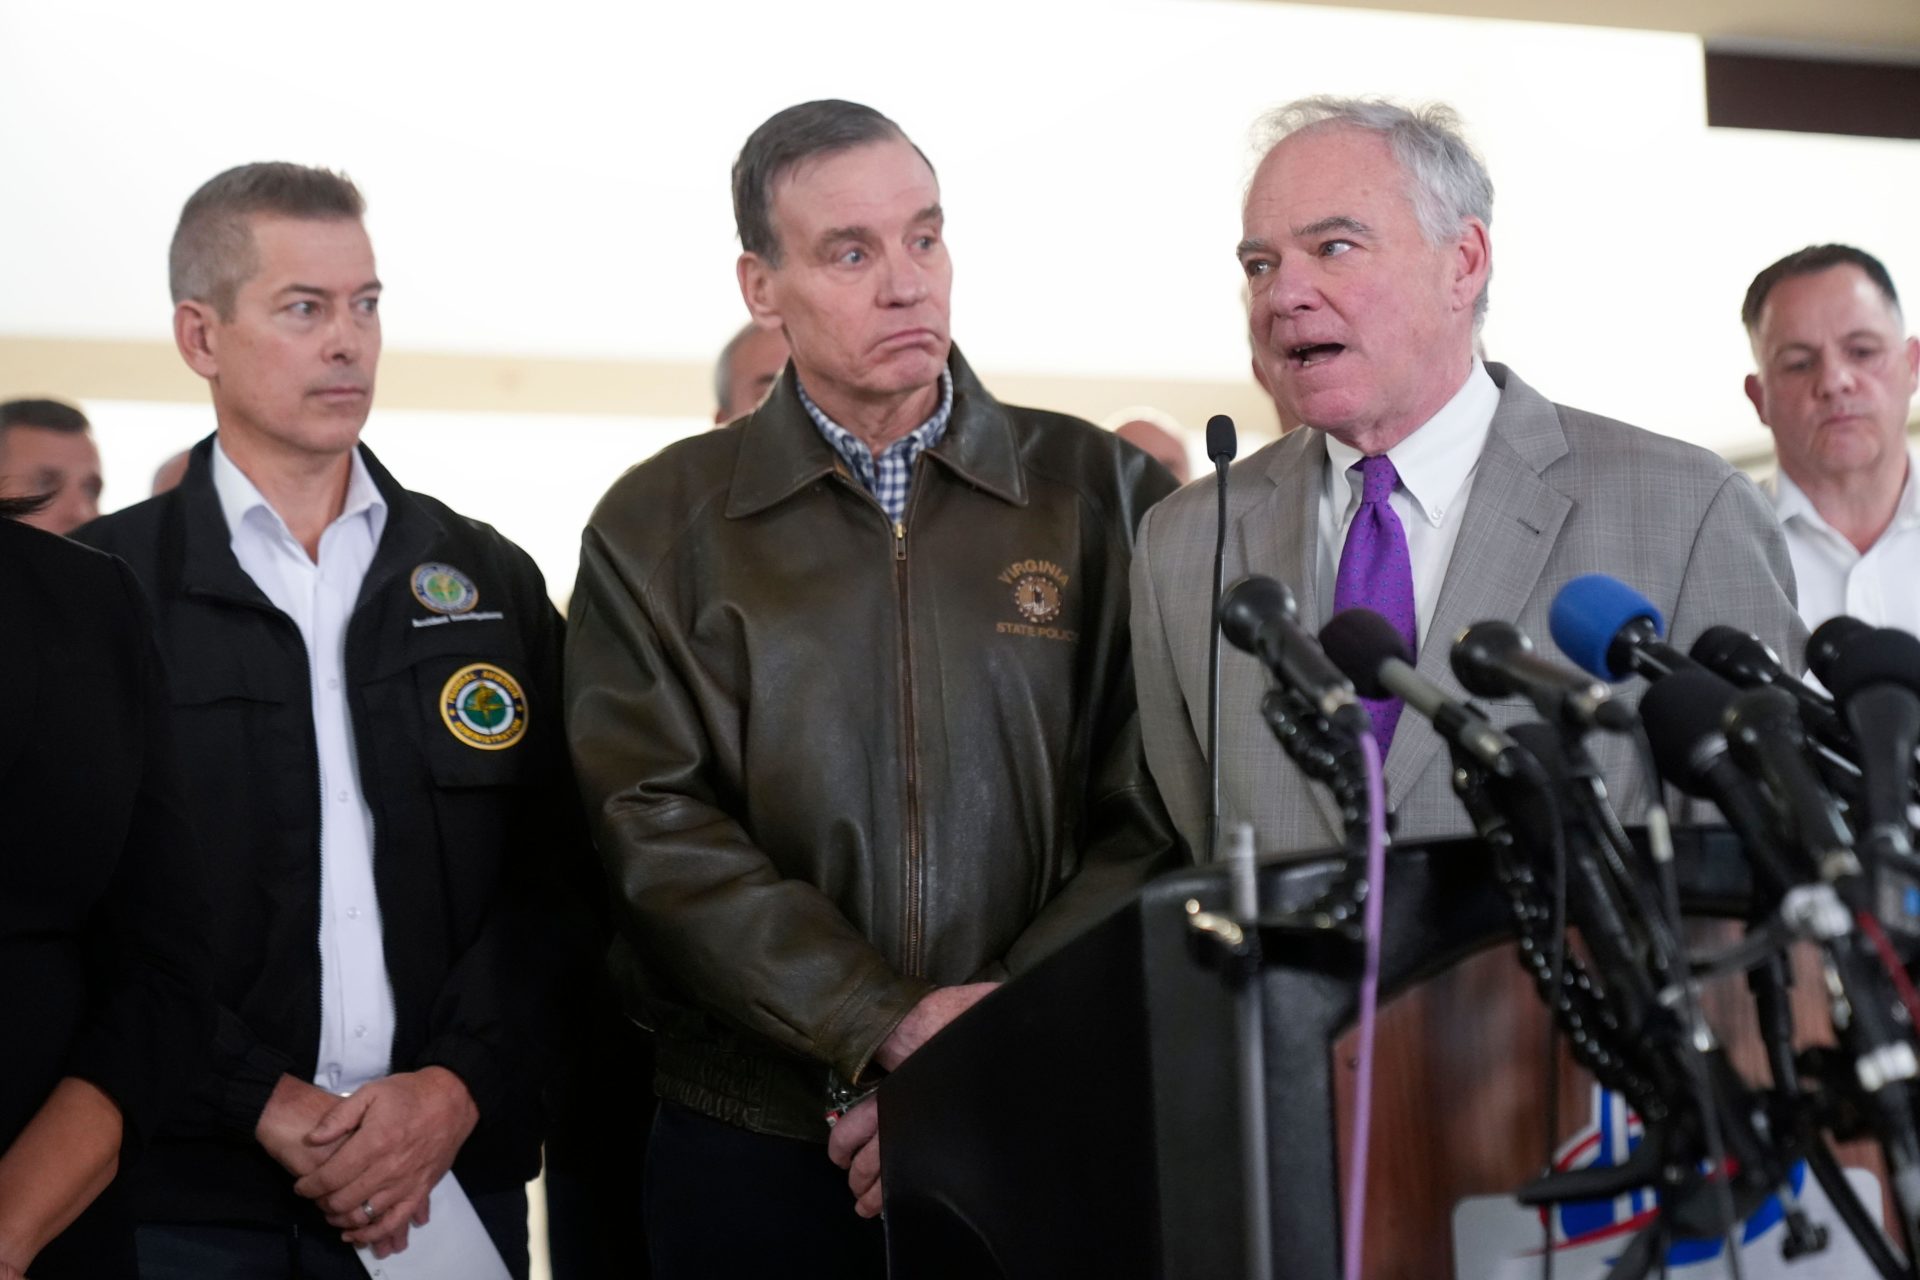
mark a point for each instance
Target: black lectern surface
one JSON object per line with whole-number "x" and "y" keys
{"x": 1084, "y": 1120}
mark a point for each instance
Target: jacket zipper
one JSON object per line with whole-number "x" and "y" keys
{"x": 911, "y": 746}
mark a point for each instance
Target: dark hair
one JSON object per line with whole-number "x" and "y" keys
{"x": 213, "y": 252}
{"x": 790, "y": 136}
{"x": 48, "y": 415}
{"x": 1809, "y": 261}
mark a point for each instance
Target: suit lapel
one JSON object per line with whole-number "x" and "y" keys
{"x": 1506, "y": 534}
{"x": 1280, "y": 538}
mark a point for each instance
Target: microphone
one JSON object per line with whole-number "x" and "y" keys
{"x": 1683, "y": 716}
{"x": 1827, "y": 641}
{"x": 1763, "y": 729}
{"x": 1221, "y": 446}
{"x": 1611, "y": 630}
{"x": 1496, "y": 660}
{"x": 1747, "y": 661}
{"x": 1257, "y": 614}
{"x": 1375, "y": 657}
{"x": 1875, "y": 679}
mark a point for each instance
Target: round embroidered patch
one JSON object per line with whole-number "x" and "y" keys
{"x": 1037, "y": 598}
{"x": 484, "y": 707}
{"x": 444, "y": 589}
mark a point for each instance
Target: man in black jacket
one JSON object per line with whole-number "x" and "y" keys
{"x": 367, "y": 687}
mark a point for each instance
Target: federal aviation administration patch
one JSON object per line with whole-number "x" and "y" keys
{"x": 484, "y": 707}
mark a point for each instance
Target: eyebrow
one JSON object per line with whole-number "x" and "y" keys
{"x": 319, "y": 292}
{"x": 932, "y": 213}
{"x": 1338, "y": 222}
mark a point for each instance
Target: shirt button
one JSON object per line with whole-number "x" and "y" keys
{"x": 341, "y": 795}
{"x": 333, "y": 682}
{"x": 360, "y": 1032}
{"x": 353, "y": 913}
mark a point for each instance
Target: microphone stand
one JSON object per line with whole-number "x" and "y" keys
{"x": 1221, "y": 446}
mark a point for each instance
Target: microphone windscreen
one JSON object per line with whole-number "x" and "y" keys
{"x": 1720, "y": 646}
{"x": 1360, "y": 641}
{"x": 1589, "y": 612}
{"x": 1881, "y": 656}
{"x": 1678, "y": 712}
{"x": 1829, "y": 640}
{"x": 1221, "y": 440}
{"x": 1250, "y": 606}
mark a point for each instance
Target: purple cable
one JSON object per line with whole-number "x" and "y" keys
{"x": 1369, "y": 1001}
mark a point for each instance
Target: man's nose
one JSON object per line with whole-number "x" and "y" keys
{"x": 905, "y": 281}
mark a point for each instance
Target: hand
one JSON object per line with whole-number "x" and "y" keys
{"x": 854, "y": 1145}
{"x": 10, "y": 1272}
{"x": 925, "y": 1020}
{"x": 397, "y": 1137}
{"x": 293, "y": 1111}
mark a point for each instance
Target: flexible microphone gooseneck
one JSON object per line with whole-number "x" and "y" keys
{"x": 1496, "y": 660}
{"x": 1221, "y": 446}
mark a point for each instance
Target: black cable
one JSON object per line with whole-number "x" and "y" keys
{"x": 1558, "y": 968}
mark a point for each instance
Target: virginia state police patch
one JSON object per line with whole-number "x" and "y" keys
{"x": 444, "y": 589}
{"x": 484, "y": 707}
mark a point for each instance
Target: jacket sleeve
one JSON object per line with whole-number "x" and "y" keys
{"x": 503, "y": 1015}
{"x": 1125, "y": 837}
{"x": 149, "y": 1035}
{"x": 704, "y": 907}
{"x": 1739, "y": 573}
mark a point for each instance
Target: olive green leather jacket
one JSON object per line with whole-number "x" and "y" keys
{"x": 832, "y": 763}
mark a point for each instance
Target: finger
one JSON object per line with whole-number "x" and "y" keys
{"x": 343, "y": 1118}
{"x": 423, "y": 1213}
{"x": 854, "y": 1130}
{"x": 345, "y": 1167}
{"x": 870, "y": 1204}
{"x": 865, "y": 1170}
{"x": 376, "y": 1186}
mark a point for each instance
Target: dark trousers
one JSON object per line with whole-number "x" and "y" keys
{"x": 596, "y": 1152}
{"x": 211, "y": 1251}
{"x": 724, "y": 1202}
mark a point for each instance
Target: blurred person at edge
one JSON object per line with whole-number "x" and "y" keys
{"x": 1156, "y": 434}
{"x": 364, "y": 774}
{"x": 47, "y": 450}
{"x": 1426, "y": 484}
{"x": 748, "y": 367}
{"x": 103, "y": 963}
{"x": 1835, "y": 371}
{"x": 822, "y": 855}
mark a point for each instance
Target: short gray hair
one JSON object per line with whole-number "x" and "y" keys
{"x": 786, "y": 139}
{"x": 213, "y": 252}
{"x": 1446, "y": 180}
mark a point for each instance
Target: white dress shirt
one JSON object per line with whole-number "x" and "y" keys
{"x": 356, "y": 1000}
{"x": 1435, "y": 465}
{"x": 1880, "y": 585}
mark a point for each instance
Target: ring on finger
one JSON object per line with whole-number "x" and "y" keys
{"x": 366, "y": 1207}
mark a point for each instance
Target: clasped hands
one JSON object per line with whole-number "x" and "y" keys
{"x": 370, "y": 1160}
{"x": 854, "y": 1144}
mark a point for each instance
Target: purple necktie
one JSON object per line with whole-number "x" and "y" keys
{"x": 1376, "y": 573}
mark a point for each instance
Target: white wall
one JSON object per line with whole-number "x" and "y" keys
{"x": 552, "y": 179}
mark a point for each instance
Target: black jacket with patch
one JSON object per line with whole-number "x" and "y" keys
{"x": 480, "y": 858}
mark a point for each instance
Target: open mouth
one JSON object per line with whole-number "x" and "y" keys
{"x": 1310, "y": 354}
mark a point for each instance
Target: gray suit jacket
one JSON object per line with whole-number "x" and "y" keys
{"x": 1557, "y": 493}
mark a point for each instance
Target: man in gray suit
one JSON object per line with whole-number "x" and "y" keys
{"x": 1432, "y": 487}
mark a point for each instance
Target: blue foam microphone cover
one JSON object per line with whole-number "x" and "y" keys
{"x": 1589, "y": 612}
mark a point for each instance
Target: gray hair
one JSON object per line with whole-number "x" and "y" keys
{"x": 786, "y": 139}
{"x": 213, "y": 252}
{"x": 1446, "y": 180}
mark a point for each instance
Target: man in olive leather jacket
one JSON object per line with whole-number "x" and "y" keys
{"x": 851, "y": 698}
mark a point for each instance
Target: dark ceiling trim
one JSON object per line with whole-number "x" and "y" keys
{"x": 1813, "y": 95}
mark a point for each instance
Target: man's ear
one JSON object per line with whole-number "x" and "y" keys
{"x": 1758, "y": 395}
{"x": 193, "y": 333}
{"x": 1473, "y": 262}
{"x": 757, "y": 290}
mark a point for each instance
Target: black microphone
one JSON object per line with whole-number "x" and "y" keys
{"x": 1611, "y": 630}
{"x": 1763, "y": 729}
{"x": 1683, "y": 715}
{"x": 1496, "y": 660}
{"x": 1375, "y": 657}
{"x": 1829, "y": 639}
{"x": 1257, "y": 614}
{"x": 1875, "y": 679}
{"x": 1221, "y": 445}
{"x": 1746, "y": 660}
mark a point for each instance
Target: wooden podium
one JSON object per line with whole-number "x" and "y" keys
{"x": 1084, "y": 1121}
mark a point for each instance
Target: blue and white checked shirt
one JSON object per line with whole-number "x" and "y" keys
{"x": 887, "y": 476}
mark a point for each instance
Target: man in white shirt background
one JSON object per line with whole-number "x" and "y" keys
{"x": 1836, "y": 372}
